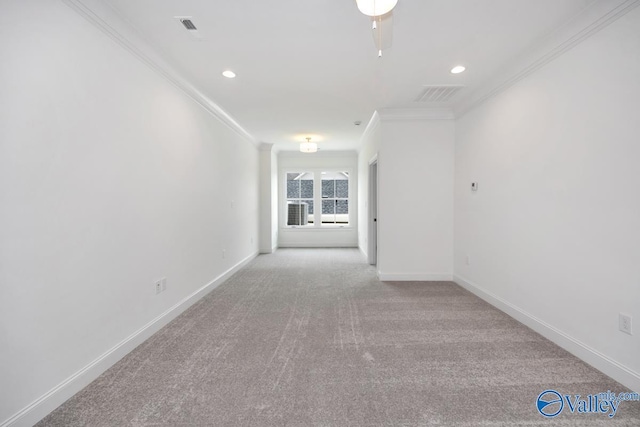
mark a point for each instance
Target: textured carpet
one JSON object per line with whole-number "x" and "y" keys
{"x": 310, "y": 337}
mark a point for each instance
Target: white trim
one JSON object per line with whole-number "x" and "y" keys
{"x": 411, "y": 277}
{"x": 320, "y": 245}
{"x": 321, "y": 153}
{"x": 603, "y": 363}
{"x": 312, "y": 228}
{"x": 373, "y": 124}
{"x": 269, "y": 250}
{"x": 42, "y": 406}
{"x": 401, "y": 114}
{"x": 372, "y": 211}
{"x": 105, "y": 18}
{"x": 587, "y": 23}
{"x": 317, "y": 197}
{"x": 265, "y": 146}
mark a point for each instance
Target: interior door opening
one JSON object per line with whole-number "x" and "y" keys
{"x": 372, "y": 249}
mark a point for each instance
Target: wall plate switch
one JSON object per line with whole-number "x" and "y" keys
{"x": 625, "y": 323}
{"x": 474, "y": 186}
{"x": 158, "y": 286}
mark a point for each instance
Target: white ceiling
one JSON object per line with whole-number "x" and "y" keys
{"x": 310, "y": 67}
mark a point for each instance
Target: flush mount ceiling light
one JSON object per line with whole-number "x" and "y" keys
{"x": 308, "y": 147}
{"x": 457, "y": 69}
{"x": 229, "y": 74}
{"x": 376, "y": 7}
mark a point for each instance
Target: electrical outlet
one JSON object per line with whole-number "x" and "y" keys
{"x": 624, "y": 323}
{"x": 158, "y": 286}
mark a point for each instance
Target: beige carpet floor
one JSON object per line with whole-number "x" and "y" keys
{"x": 310, "y": 337}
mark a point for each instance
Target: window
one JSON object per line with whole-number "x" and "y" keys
{"x": 335, "y": 198}
{"x": 300, "y": 199}
{"x": 317, "y": 199}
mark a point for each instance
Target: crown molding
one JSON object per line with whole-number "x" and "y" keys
{"x": 372, "y": 126}
{"x": 401, "y": 114}
{"x": 265, "y": 146}
{"x": 105, "y": 18}
{"x": 587, "y": 23}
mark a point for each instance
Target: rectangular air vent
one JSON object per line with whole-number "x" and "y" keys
{"x": 188, "y": 24}
{"x": 440, "y": 93}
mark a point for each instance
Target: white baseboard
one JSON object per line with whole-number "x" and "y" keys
{"x": 406, "y": 277}
{"x": 269, "y": 250}
{"x": 42, "y": 406}
{"x": 601, "y": 362}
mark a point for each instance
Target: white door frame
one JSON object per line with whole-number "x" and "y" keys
{"x": 372, "y": 250}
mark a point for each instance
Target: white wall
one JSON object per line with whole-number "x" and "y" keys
{"x": 110, "y": 177}
{"x": 369, "y": 147}
{"x": 553, "y": 232}
{"x": 320, "y": 236}
{"x": 274, "y": 201}
{"x": 415, "y": 206}
{"x": 268, "y": 199}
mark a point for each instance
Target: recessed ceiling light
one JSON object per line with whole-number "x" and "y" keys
{"x": 457, "y": 69}
{"x": 229, "y": 74}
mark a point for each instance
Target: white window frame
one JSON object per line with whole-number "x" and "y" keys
{"x": 286, "y": 199}
{"x": 317, "y": 199}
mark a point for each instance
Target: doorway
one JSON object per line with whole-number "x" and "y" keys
{"x": 372, "y": 249}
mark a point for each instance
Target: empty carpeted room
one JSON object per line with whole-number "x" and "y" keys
{"x": 319, "y": 213}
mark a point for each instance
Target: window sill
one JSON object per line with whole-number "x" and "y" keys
{"x": 317, "y": 229}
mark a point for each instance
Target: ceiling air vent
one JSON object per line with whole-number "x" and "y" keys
{"x": 441, "y": 93}
{"x": 188, "y": 24}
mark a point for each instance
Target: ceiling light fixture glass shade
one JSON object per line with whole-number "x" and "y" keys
{"x": 376, "y": 7}
{"x": 308, "y": 147}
